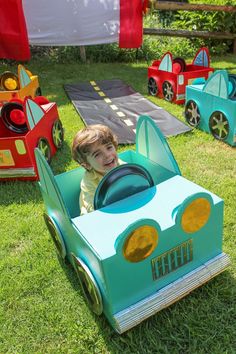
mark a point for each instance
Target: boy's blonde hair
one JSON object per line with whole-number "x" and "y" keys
{"x": 88, "y": 136}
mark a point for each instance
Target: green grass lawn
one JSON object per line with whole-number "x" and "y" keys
{"x": 42, "y": 309}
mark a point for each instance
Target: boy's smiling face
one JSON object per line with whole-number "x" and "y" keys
{"x": 101, "y": 157}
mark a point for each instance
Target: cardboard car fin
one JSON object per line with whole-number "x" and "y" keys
{"x": 151, "y": 143}
{"x": 48, "y": 183}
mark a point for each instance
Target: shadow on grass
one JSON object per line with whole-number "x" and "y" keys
{"x": 61, "y": 159}
{"x": 24, "y": 192}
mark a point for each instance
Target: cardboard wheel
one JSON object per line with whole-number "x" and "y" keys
{"x": 38, "y": 92}
{"x": 57, "y": 134}
{"x": 120, "y": 183}
{"x": 192, "y": 113}
{"x": 44, "y": 147}
{"x": 219, "y": 125}
{"x": 14, "y": 118}
{"x": 152, "y": 87}
{"x": 168, "y": 91}
{"x": 89, "y": 285}
{"x": 56, "y": 236}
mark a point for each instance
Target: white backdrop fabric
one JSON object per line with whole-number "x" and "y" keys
{"x": 72, "y": 22}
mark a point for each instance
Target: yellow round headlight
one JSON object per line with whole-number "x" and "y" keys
{"x": 140, "y": 243}
{"x": 196, "y": 215}
{"x": 10, "y": 84}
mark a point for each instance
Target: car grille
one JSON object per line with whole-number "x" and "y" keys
{"x": 172, "y": 260}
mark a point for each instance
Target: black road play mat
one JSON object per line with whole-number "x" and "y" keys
{"x": 117, "y": 105}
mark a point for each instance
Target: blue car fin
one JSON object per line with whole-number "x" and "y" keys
{"x": 23, "y": 76}
{"x": 202, "y": 58}
{"x": 34, "y": 113}
{"x": 48, "y": 183}
{"x": 151, "y": 143}
{"x": 166, "y": 63}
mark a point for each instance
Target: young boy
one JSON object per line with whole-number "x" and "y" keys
{"x": 94, "y": 148}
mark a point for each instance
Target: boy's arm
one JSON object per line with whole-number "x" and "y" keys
{"x": 88, "y": 188}
{"x": 86, "y": 202}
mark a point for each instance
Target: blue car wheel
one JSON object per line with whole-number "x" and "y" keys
{"x": 56, "y": 236}
{"x": 192, "y": 113}
{"x": 89, "y": 285}
{"x": 219, "y": 125}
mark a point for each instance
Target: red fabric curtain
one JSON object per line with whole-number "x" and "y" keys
{"x": 14, "y": 42}
{"x": 131, "y": 23}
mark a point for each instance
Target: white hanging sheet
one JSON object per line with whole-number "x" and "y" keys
{"x": 72, "y": 22}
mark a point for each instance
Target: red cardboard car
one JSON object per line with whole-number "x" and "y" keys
{"x": 168, "y": 77}
{"x": 23, "y": 127}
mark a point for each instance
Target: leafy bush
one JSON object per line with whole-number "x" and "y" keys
{"x": 167, "y": 17}
{"x": 155, "y": 46}
{"x": 218, "y": 21}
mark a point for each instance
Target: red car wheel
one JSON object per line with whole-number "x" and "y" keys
{"x": 168, "y": 91}
{"x": 57, "y": 134}
{"x": 152, "y": 87}
{"x": 44, "y": 147}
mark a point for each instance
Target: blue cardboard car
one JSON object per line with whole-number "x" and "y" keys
{"x": 211, "y": 106}
{"x": 152, "y": 239}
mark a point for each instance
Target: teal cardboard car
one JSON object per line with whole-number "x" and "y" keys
{"x": 152, "y": 239}
{"x": 211, "y": 106}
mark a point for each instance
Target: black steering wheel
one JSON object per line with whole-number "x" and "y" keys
{"x": 13, "y": 117}
{"x": 120, "y": 183}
